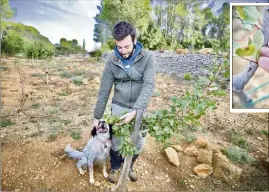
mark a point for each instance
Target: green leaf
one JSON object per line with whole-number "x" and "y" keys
{"x": 247, "y": 51}
{"x": 240, "y": 12}
{"x": 197, "y": 125}
{"x": 247, "y": 25}
{"x": 258, "y": 39}
{"x": 251, "y": 14}
{"x": 220, "y": 92}
{"x": 171, "y": 121}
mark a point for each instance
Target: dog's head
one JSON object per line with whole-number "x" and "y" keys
{"x": 102, "y": 128}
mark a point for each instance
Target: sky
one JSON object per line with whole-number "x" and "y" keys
{"x": 71, "y": 19}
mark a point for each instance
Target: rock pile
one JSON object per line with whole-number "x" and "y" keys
{"x": 171, "y": 63}
{"x": 210, "y": 160}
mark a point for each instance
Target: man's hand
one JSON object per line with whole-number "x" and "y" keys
{"x": 264, "y": 59}
{"x": 95, "y": 123}
{"x": 127, "y": 117}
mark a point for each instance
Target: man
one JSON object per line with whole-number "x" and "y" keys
{"x": 132, "y": 71}
{"x": 264, "y": 59}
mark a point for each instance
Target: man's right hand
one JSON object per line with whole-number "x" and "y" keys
{"x": 95, "y": 123}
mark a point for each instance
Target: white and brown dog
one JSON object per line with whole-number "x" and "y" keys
{"x": 96, "y": 150}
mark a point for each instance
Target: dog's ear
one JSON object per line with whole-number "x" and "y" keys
{"x": 93, "y": 132}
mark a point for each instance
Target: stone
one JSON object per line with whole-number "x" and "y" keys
{"x": 205, "y": 156}
{"x": 172, "y": 156}
{"x": 97, "y": 183}
{"x": 191, "y": 151}
{"x": 203, "y": 170}
{"x": 96, "y": 80}
{"x": 178, "y": 148}
{"x": 85, "y": 82}
{"x": 213, "y": 147}
{"x": 200, "y": 142}
{"x": 260, "y": 138}
{"x": 220, "y": 160}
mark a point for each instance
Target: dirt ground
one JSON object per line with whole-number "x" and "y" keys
{"x": 52, "y": 115}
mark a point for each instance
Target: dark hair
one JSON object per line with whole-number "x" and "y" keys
{"x": 122, "y": 29}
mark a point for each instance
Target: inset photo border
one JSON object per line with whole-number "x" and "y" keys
{"x": 249, "y": 61}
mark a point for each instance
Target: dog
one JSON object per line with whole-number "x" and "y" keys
{"x": 96, "y": 150}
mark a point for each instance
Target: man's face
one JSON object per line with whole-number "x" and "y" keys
{"x": 125, "y": 46}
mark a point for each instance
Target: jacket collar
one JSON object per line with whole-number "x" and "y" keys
{"x": 118, "y": 62}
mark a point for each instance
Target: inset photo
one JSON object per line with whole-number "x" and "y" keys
{"x": 250, "y": 57}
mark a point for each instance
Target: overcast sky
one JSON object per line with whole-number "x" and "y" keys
{"x": 71, "y": 19}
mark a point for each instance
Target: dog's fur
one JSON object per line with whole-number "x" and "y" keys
{"x": 97, "y": 149}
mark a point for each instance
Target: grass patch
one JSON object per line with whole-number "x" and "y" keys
{"x": 190, "y": 138}
{"x": 75, "y": 135}
{"x": 77, "y": 81}
{"x": 156, "y": 94}
{"x": 55, "y": 131}
{"x": 66, "y": 74}
{"x": 6, "y": 123}
{"x": 79, "y": 72}
{"x": 3, "y": 68}
{"x": 67, "y": 122}
{"x": 38, "y": 75}
{"x": 35, "y": 105}
{"x": 63, "y": 93}
{"x": 238, "y": 155}
{"x": 52, "y": 137}
{"x": 238, "y": 140}
{"x": 187, "y": 76}
{"x": 265, "y": 132}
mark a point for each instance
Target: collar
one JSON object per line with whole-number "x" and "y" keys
{"x": 118, "y": 62}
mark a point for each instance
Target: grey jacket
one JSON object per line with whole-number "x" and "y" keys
{"x": 130, "y": 91}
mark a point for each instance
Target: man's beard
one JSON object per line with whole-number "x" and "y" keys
{"x": 129, "y": 54}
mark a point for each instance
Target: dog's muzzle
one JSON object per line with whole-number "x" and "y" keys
{"x": 102, "y": 127}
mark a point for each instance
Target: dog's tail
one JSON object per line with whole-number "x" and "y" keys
{"x": 72, "y": 152}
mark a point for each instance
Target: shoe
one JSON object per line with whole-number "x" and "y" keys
{"x": 113, "y": 176}
{"x": 132, "y": 175}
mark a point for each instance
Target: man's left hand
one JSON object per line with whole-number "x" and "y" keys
{"x": 127, "y": 117}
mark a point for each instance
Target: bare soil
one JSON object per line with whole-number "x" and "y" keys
{"x": 46, "y": 117}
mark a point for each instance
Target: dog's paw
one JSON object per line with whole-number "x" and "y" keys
{"x": 105, "y": 174}
{"x": 81, "y": 172}
{"x": 91, "y": 181}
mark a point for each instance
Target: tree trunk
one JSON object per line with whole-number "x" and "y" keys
{"x": 128, "y": 160}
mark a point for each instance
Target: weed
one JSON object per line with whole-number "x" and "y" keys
{"x": 265, "y": 132}
{"x": 156, "y": 94}
{"x": 52, "y": 137}
{"x": 238, "y": 155}
{"x": 182, "y": 182}
{"x": 66, "y": 74}
{"x": 238, "y": 140}
{"x": 187, "y": 76}
{"x": 190, "y": 138}
{"x": 67, "y": 122}
{"x": 75, "y": 135}
{"x": 3, "y": 68}
{"x": 38, "y": 75}
{"x": 6, "y": 123}
{"x": 63, "y": 93}
{"x": 35, "y": 106}
{"x": 77, "y": 81}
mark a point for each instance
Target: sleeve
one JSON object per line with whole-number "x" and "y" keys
{"x": 148, "y": 85}
{"x": 104, "y": 92}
